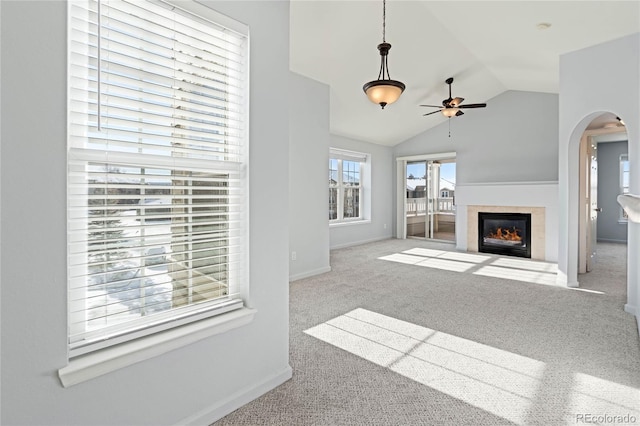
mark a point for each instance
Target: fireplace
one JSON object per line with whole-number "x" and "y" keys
{"x": 505, "y": 233}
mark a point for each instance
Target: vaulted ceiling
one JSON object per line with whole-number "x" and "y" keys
{"x": 487, "y": 46}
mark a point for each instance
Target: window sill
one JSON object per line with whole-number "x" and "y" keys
{"x": 350, "y": 222}
{"x": 92, "y": 365}
{"x": 623, "y": 221}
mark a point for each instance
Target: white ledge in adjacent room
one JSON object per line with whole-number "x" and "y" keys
{"x": 94, "y": 364}
{"x": 350, "y": 222}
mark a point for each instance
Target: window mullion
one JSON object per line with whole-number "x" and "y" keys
{"x": 340, "y": 215}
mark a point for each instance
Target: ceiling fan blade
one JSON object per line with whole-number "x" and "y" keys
{"x": 459, "y": 113}
{"x": 456, "y": 101}
{"x": 472, "y": 106}
{"x": 429, "y": 113}
{"x": 431, "y": 106}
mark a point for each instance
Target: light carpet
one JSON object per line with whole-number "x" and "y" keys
{"x": 411, "y": 332}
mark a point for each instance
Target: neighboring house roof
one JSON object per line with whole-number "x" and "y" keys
{"x": 421, "y": 184}
{"x": 346, "y": 178}
{"x": 412, "y": 184}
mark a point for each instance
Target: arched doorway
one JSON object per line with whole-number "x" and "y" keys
{"x": 603, "y": 173}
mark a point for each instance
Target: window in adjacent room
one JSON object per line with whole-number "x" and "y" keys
{"x": 157, "y": 168}
{"x": 624, "y": 182}
{"x": 347, "y": 182}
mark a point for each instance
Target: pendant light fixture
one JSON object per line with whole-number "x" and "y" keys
{"x": 383, "y": 91}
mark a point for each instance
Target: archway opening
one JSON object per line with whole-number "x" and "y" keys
{"x": 603, "y": 173}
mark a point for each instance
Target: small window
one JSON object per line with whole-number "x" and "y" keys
{"x": 346, "y": 188}
{"x": 624, "y": 182}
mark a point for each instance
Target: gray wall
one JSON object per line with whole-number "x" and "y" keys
{"x": 380, "y": 196}
{"x": 308, "y": 184}
{"x": 194, "y": 379}
{"x": 310, "y": 236}
{"x": 609, "y": 227}
{"x": 513, "y": 139}
{"x": 589, "y": 86}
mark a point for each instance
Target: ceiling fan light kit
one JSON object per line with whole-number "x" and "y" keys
{"x": 383, "y": 91}
{"x": 450, "y": 112}
{"x": 451, "y": 107}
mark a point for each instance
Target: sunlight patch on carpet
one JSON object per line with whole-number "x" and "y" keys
{"x": 500, "y": 382}
{"x": 525, "y": 270}
{"x": 545, "y": 278}
{"x": 586, "y": 290}
{"x": 596, "y": 395}
{"x": 403, "y": 258}
{"x": 529, "y": 265}
{"x": 447, "y": 265}
{"x": 425, "y": 252}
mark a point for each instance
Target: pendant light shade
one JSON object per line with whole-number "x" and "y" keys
{"x": 383, "y": 91}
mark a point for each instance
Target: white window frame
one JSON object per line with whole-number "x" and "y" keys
{"x": 146, "y": 339}
{"x": 364, "y": 160}
{"x": 624, "y": 189}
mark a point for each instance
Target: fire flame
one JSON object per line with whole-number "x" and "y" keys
{"x": 505, "y": 234}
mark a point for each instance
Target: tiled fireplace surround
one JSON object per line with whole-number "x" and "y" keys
{"x": 540, "y": 199}
{"x": 537, "y": 226}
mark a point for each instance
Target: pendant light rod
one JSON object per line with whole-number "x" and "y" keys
{"x": 384, "y": 67}
{"x": 384, "y": 91}
{"x": 384, "y": 20}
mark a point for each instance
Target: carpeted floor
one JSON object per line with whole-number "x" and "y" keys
{"x": 409, "y": 332}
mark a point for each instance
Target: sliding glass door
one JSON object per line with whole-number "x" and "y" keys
{"x": 429, "y": 199}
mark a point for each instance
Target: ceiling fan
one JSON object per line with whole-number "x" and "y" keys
{"x": 452, "y": 106}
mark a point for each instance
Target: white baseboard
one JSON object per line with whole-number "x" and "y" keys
{"x": 561, "y": 281}
{"x": 608, "y": 240}
{"x": 359, "y": 243}
{"x": 222, "y": 408}
{"x": 633, "y": 310}
{"x": 309, "y": 273}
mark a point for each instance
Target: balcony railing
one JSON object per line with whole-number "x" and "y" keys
{"x": 418, "y": 206}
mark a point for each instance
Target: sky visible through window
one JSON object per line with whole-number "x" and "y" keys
{"x": 447, "y": 172}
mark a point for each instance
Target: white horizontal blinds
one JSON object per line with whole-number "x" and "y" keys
{"x": 167, "y": 85}
{"x": 157, "y": 183}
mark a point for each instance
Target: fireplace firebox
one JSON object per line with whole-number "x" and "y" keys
{"x": 505, "y": 233}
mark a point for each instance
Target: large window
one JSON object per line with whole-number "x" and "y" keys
{"x": 157, "y": 152}
{"x": 624, "y": 182}
{"x": 346, "y": 171}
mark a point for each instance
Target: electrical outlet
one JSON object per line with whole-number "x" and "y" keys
{"x": 384, "y": 226}
{"x": 294, "y": 255}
